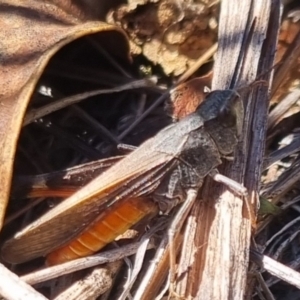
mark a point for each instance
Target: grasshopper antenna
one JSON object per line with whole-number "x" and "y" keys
{"x": 241, "y": 58}
{"x": 239, "y": 70}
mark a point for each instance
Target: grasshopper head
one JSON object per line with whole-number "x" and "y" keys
{"x": 223, "y": 114}
{"x": 224, "y": 105}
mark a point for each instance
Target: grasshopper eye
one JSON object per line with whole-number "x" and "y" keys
{"x": 228, "y": 113}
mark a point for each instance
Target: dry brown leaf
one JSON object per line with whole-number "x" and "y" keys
{"x": 186, "y": 97}
{"x": 287, "y": 78}
{"x": 31, "y": 33}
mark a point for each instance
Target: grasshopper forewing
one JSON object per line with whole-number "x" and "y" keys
{"x": 165, "y": 166}
{"x": 72, "y": 216}
{"x": 114, "y": 221}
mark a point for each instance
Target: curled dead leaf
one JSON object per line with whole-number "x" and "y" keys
{"x": 185, "y": 98}
{"x": 31, "y": 33}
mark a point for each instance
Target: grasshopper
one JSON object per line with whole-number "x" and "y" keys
{"x": 166, "y": 168}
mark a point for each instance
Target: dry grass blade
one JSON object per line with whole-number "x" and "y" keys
{"x": 96, "y": 283}
{"x": 201, "y": 60}
{"x": 284, "y": 183}
{"x": 281, "y": 153}
{"x": 61, "y": 103}
{"x": 138, "y": 263}
{"x": 157, "y": 271}
{"x": 262, "y": 282}
{"x": 289, "y": 61}
{"x": 219, "y": 259}
{"x": 82, "y": 263}
{"x": 279, "y": 111}
{"x": 271, "y": 266}
{"x": 279, "y": 270}
{"x": 13, "y": 288}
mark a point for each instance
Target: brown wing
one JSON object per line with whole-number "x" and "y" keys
{"x": 70, "y": 217}
{"x": 133, "y": 176}
{"x": 61, "y": 183}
